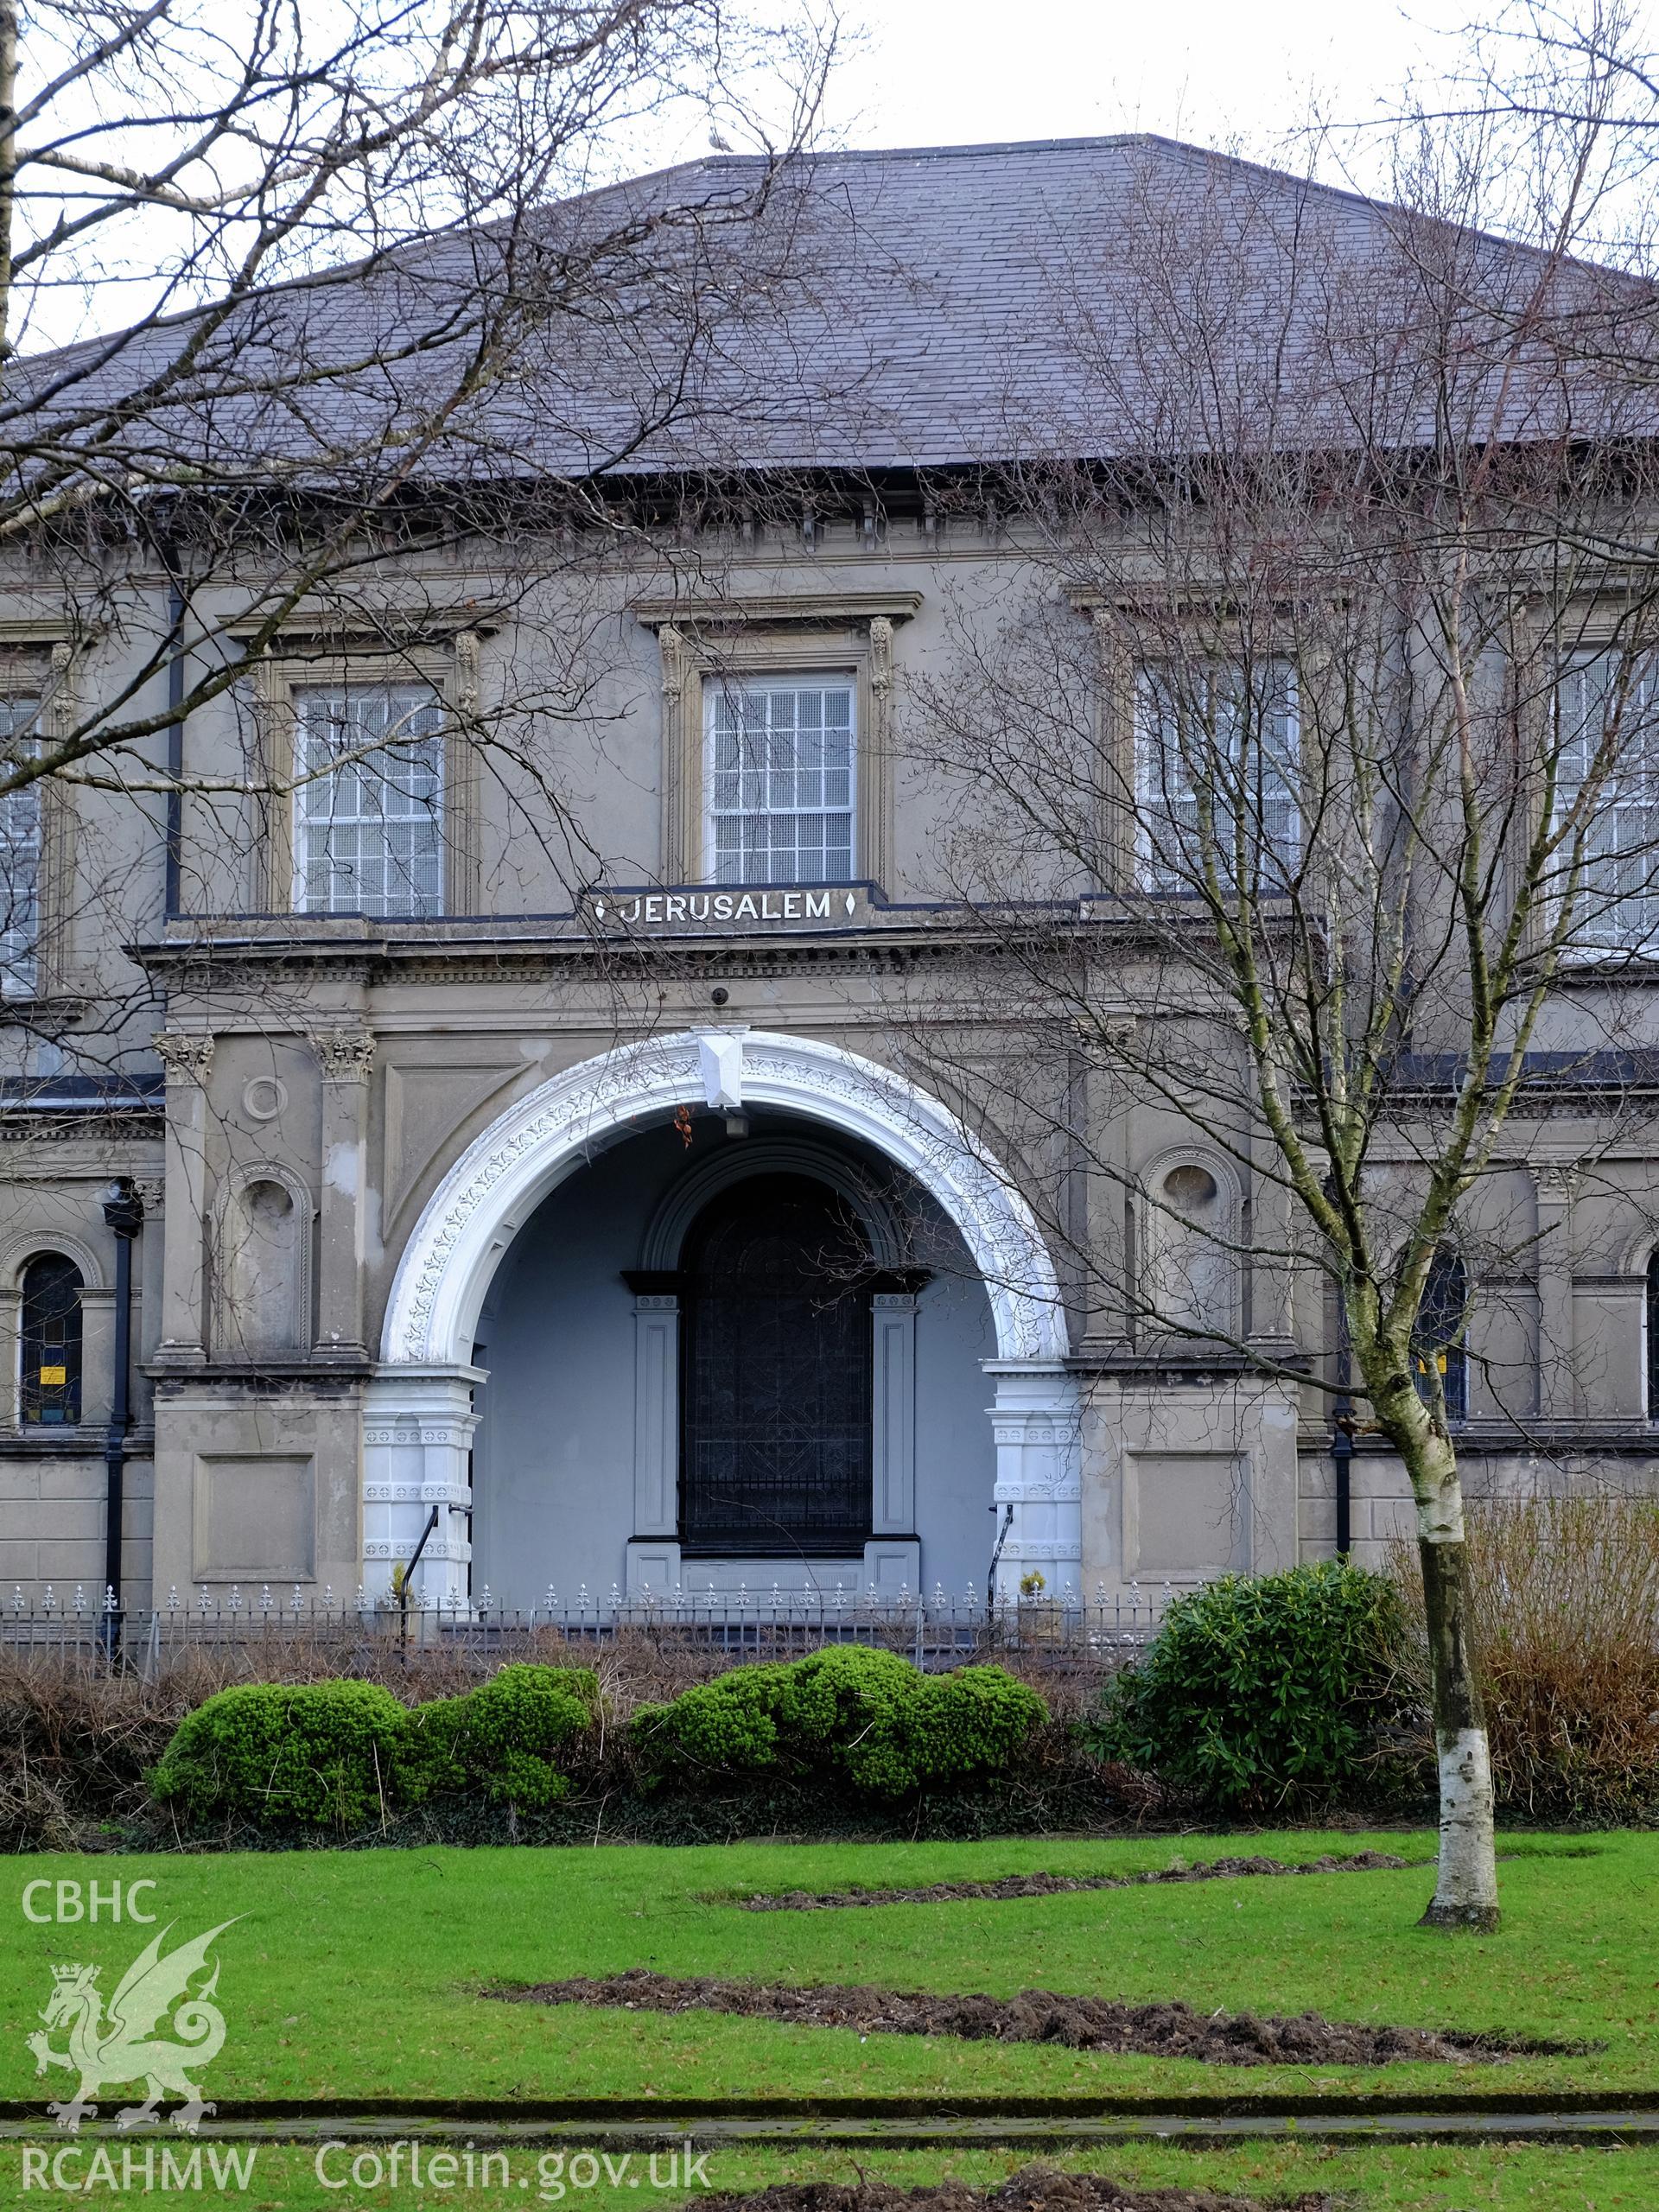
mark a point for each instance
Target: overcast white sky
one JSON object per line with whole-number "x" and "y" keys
{"x": 956, "y": 71}
{"x": 1246, "y": 75}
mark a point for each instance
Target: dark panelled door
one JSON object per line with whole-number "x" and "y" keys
{"x": 775, "y": 1450}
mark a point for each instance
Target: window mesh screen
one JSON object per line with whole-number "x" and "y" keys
{"x": 51, "y": 1340}
{"x": 777, "y": 1405}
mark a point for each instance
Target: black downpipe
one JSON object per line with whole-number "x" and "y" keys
{"x": 174, "y": 828}
{"x": 1342, "y": 1452}
{"x": 124, "y": 1211}
{"x": 1342, "y": 1434}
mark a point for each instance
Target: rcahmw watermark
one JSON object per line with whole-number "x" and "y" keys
{"x": 78, "y": 2169}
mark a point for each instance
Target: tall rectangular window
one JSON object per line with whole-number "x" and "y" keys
{"x": 1612, "y": 697}
{"x": 781, "y": 753}
{"x": 20, "y": 855}
{"x": 1217, "y": 771}
{"x": 368, "y": 826}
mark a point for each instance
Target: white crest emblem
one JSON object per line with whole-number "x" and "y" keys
{"x": 120, "y": 2046}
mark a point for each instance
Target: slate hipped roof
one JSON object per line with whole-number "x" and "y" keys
{"x": 934, "y": 307}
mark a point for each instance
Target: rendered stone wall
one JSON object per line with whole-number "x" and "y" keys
{"x": 1380, "y": 1506}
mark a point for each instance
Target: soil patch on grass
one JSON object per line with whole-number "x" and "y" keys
{"x": 1051, "y": 1885}
{"x": 1172, "y": 2031}
{"x": 1034, "y": 2188}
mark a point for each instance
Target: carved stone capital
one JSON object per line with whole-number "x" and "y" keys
{"x": 345, "y": 1056}
{"x": 1115, "y": 1030}
{"x": 186, "y": 1054}
{"x": 150, "y": 1191}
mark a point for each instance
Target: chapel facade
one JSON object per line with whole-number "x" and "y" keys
{"x": 560, "y": 1188}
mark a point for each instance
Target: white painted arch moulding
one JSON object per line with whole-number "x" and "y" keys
{"x": 536, "y": 1143}
{"x": 420, "y": 1412}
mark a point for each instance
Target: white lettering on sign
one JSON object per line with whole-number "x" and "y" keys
{"x": 688, "y": 910}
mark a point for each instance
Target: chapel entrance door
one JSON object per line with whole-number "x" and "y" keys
{"x": 777, "y": 1375}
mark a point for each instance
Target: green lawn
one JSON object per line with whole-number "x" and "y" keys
{"x": 357, "y": 1973}
{"x": 1403, "y": 2179}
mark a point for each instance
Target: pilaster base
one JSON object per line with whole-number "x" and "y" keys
{"x": 417, "y": 1435}
{"x": 653, "y": 1569}
{"x": 1036, "y": 1424}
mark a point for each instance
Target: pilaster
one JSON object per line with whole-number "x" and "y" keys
{"x": 188, "y": 1057}
{"x": 346, "y": 1059}
{"x": 894, "y": 1499}
{"x": 682, "y": 783}
{"x": 656, "y": 1414}
{"x": 876, "y": 779}
{"x": 1559, "y": 1397}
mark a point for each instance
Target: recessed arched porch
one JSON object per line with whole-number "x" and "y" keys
{"x": 570, "y": 1248}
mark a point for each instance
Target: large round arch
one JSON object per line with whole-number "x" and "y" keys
{"x": 419, "y": 1418}
{"x": 505, "y": 1172}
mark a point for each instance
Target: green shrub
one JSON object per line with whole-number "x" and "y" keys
{"x": 499, "y": 1740}
{"x": 869, "y": 1717}
{"x": 324, "y": 1753}
{"x": 973, "y": 1721}
{"x": 850, "y": 1709}
{"x": 342, "y": 1754}
{"x": 725, "y": 1727}
{"x": 1259, "y": 1689}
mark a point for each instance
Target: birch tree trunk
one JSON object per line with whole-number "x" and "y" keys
{"x": 1466, "y": 1891}
{"x": 1465, "y": 1894}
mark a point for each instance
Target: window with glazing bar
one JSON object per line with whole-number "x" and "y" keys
{"x": 1607, "y": 705}
{"x": 1217, "y": 771}
{"x": 368, "y": 828}
{"x": 20, "y": 854}
{"x": 781, "y": 753}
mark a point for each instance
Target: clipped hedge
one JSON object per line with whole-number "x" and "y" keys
{"x": 323, "y": 1753}
{"x": 869, "y": 1718}
{"x": 501, "y": 1741}
{"x": 341, "y": 1754}
{"x": 1261, "y": 1690}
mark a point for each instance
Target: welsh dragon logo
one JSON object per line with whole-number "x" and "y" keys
{"x": 121, "y": 2047}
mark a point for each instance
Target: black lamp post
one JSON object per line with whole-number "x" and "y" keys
{"x": 124, "y": 1213}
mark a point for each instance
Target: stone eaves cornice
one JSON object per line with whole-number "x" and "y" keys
{"x": 772, "y": 609}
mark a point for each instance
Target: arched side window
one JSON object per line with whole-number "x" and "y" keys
{"x": 1189, "y": 1277}
{"x": 1653, "y": 1336}
{"x": 51, "y": 1340}
{"x": 1437, "y": 1341}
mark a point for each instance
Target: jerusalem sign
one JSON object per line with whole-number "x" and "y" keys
{"x": 659, "y": 912}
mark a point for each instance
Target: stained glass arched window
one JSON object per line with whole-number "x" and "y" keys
{"x": 51, "y": 1339}
{"x": 1437, "y": 1340}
